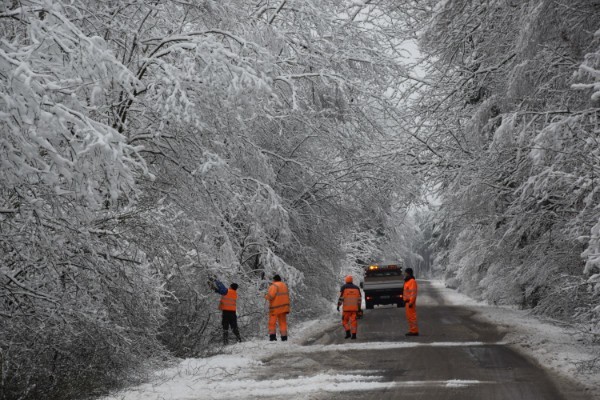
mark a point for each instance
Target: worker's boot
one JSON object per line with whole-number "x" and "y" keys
{"x": 225, "y": 338}
{"x": 353, "y": 336}
{"x": 347, "y": 335}
{"x": 237, "y": 335}
{"x": 284, "y": 338}
{"x": 272, "y": 338}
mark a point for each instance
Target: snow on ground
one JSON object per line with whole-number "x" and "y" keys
{"x": 190, "y": 382}
{"x": 557, "y": 347}
{"x": 234, "y": 374}
{"x": 229, "y": 376}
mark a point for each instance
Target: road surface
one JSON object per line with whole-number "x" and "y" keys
{"x": 455, "y": 357}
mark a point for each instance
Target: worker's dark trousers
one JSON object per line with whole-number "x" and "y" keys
{"x": 230, "y": 320}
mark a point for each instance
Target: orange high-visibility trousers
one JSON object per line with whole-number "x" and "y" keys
{"x": 282, "y": 320}
{"x": 411, "y": 318}
{"x": 349, "y": 321}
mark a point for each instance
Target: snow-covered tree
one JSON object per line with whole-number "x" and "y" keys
{"x": 148, "y": 146}
{"x": 513, "y": 122}
{"x": 79, "y": 303}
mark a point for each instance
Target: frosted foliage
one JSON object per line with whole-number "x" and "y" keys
{"x": 408, "y": 242}
{"x": 358, "y": 246}
{"x": 54, "y": 78}
{"x": 183, "y": 97}
{"x": 481, "y": 117}
{"x": 592, "y": 255}
{"x": 551, "y": 139}
{"x": 514, "y": 117}
{"x": 500, "y": 284}
{"x": 467, "y": 260}
{"x": 504, "y": 136}
{"x": 74, "y": 292}
{"x": 532, "y": 26}
{"x": 275, "y": 265}
{"x": 590, "y": 70}
{"x": 522, "y": 80}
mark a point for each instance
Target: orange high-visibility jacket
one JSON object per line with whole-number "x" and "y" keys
{"x": 410, "y": 291}
{"x": 279, "y": 299}
{"x": 228, "y": 301}
{"x": 350, "y": 297}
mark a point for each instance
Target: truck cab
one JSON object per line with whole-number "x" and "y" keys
{"x": 383, "y": 284}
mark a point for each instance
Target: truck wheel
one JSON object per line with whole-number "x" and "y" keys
{"x": 370, "y": 306}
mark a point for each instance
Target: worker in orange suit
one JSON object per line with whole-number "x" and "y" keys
{"x": 279, "y": 307}
{"x": 410, "y": 302}
{"x": 228, "y": 307}
{"x": 350, "y": 299}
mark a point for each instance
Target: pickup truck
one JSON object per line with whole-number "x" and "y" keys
{"x": 383, "y": 284}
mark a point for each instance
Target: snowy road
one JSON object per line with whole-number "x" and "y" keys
{"x": 456, "y": 357}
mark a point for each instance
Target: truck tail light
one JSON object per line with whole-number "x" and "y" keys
{"x": 369, "y": 298}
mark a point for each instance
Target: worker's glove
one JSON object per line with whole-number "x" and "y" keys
{"x": 409, "y": 305}
{"x": 338, "y": 307}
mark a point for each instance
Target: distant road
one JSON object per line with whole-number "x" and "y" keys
{"x": 456, "y": 357}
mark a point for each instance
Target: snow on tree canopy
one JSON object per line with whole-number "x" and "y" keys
{"x": 54, "y": 132}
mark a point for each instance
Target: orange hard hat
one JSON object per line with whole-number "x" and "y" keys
{"x": 348, "y": 279}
